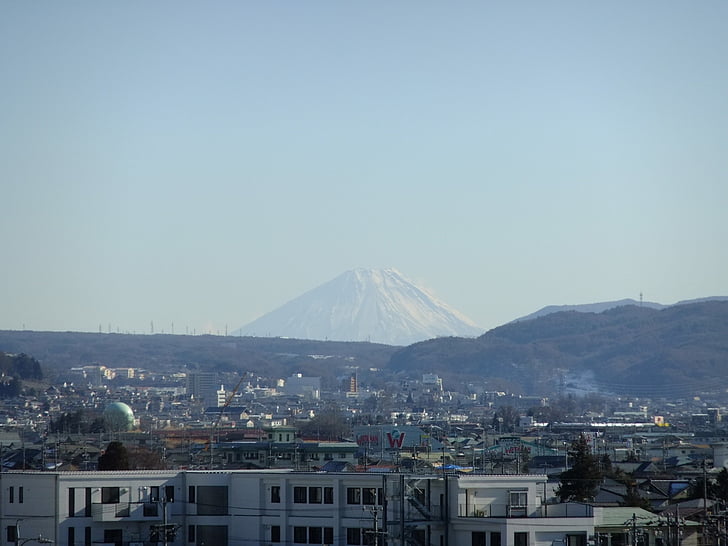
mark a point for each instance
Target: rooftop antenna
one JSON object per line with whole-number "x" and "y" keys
{"x": 640, "y": 299}
{"x": 152, "y": 327}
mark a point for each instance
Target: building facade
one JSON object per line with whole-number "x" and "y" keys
{"x": 184, "y": 508}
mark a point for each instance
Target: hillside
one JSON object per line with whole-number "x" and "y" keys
{"x": 676, "y": 351}
{"x": 269, "y": 357}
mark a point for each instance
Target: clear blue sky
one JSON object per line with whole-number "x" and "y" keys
{"x": 203, "y": 163}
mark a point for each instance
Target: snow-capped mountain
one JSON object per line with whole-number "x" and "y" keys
{"x": 377, "y": 305}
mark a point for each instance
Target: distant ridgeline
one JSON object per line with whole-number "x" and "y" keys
{"x": 13, "y": 368}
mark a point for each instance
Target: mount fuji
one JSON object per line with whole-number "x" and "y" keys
{"x": 377, "y": 305}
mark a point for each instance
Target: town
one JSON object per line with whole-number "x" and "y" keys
{"x": 222, "y": 458}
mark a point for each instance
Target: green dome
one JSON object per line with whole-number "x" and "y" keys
{"x": 118, "y": 417}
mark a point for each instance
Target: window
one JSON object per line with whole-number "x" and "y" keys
{"x": 20, "y": 494}
{"x": 300, "y": 535}
{"x": 190, "y": 533}
{"x": 87, "y": 536}
{"x": 154, "y": 493}
{"x": 275, "y": 533}
{"x": 275, "y": 493}
{"x": 110, "y": 495}
{"x": 517, "y": 503}
{"x": 299, "y": 495}
{"x": 369, "y": 495}
{"x": 477, "y": 538}
{"x": 328, "y": 495}
{"x": 87, "y": 508}
{"x": 495, "y": 538}
{"x": 12, "y": 534}
{"x": 366, "y": 495}
{"x": 314, "y": 495}
{"x": 114, "y": 536}
{"x": 169, "y": 493}
{"x": 328, "y": 535}
{"x": 71, "y": 502}
{"x": 11, "y": 494}
{"x": 520, "y": 539}
{"x": 353, "y": 535}
{"x": 353, "y": 496}
{"x": 71, "y": 535}
{"x": 212, "y": 500}
{"x": 518, "y": 498}
{"x": 315, "y": 535}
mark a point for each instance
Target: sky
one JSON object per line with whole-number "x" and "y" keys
{"x": 189, "y": 167}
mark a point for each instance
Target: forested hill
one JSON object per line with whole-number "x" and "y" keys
{"x": 674, "y": 351}
{"x": 20, "y": 366}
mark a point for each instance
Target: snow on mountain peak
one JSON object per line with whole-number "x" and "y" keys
{"x": 378, "y": 305}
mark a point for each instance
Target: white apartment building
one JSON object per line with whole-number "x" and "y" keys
{"x": 263, "y": 507}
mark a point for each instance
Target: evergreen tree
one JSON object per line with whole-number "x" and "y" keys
{"x": 116, "y": 457}
{"x": 580, "y": 482}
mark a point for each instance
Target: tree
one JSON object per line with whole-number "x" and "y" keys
{"x": 116, "y": 457}
{"x": 580, "y": 482}
{"x": 330, "y": 424}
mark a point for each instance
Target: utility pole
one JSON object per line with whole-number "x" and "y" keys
{"x": 375, "y": 529}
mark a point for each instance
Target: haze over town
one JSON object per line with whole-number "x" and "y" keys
{"x": 177, "y": 163}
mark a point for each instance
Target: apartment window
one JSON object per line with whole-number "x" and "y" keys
{"x": 495, "y": 538}
{"x": 114, "y": 536}
{"x": 71, "y": 502}
{"x": 300, "y": 535}
{"x": 314, "y": 495}
{"x": 353, "y": 496}
{"x": 110, "y": 495}
{"x": 169, "y": 493}
{"x": 328, "y": 535}
{"x": 12, "y": 534}
{"x": 315, "y": 535}
{"x": 477, "y": 538}
{"x": 87, "y": 508}
{"x": 20, "y": 494}
{"x": 299, "y": 495}
{"x": 190, "y": 533}
{"x": 518, "y": 499}
{"x": 275, "y": 533}
{"x": 355, "y": 535}
{"x": 275, "y": 494}
{"x": 520, "y": 539}
{"x": 366, "y": 495}
{"x": 517, "y": 503}
{"x": 369, "y": 495}
{"x": 71, "y": 535}
{"x": 87, "y": 536}
{"x": 328, "y": 495}
{"x": 212, "y": 500}
{"x": 154, "y": 493}
{"x": 11, "y": 494}
{"x": 191, "y": 494}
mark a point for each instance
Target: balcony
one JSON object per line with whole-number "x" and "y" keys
{"x": 126, "y": 511}
{"x": 563, "y": 510}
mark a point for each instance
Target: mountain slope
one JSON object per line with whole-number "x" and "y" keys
{"x": 378, "y": 305}
{"x": 675, "y": 351}
{"x": 606, "y": 305}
